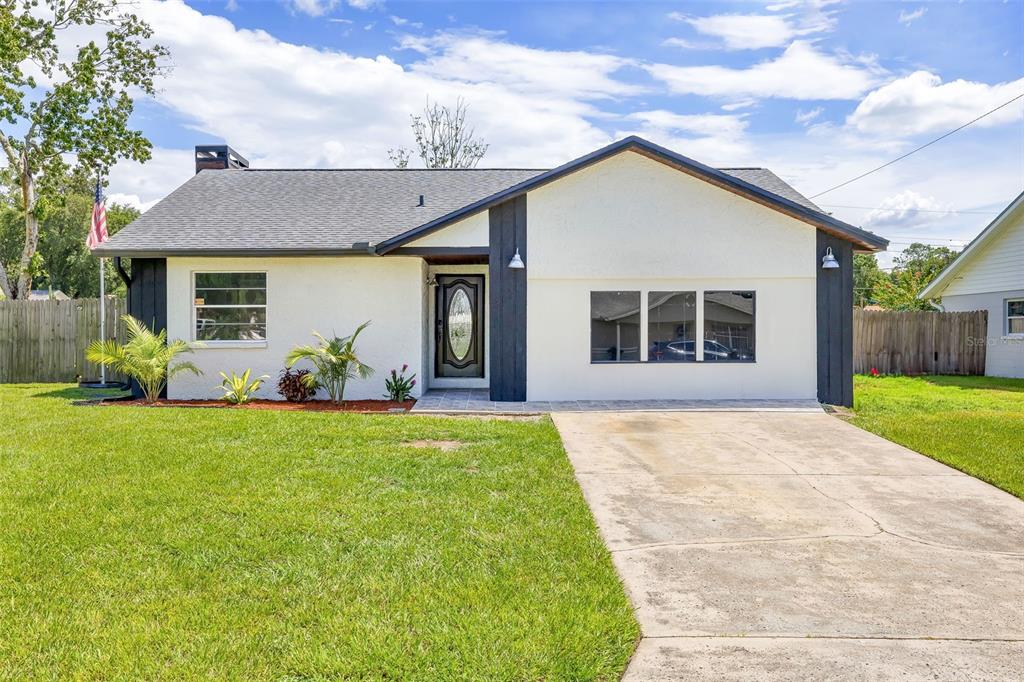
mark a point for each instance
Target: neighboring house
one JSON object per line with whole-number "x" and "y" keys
{"x": 47, "y": 295}
{"x": 594, "y": 280}
{"x": 989, "y": 275}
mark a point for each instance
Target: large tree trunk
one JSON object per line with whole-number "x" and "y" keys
{"x": 5, "y": 284}
{"x": 28, "y": 192}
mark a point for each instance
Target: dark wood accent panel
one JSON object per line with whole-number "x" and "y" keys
{"x": 507, "y": 293}
{"x": 147, "y": 297}
{"x": 835, "y": 322}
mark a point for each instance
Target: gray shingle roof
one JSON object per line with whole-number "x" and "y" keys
{"x": 303, "y": 211}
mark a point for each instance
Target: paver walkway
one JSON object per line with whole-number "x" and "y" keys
{"x": 794, "y": 546}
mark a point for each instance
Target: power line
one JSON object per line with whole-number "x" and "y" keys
{"x": 914, "y": 151}
{"x": 918, "y": 210}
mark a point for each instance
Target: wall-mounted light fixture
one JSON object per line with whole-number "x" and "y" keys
{"x": 517, "y": 262}
{"x": 828, "y": 261}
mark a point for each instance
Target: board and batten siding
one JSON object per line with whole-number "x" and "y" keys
{"x": 331, "y": 295}
{"x": 632, "y": 224}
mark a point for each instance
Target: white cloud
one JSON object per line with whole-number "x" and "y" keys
{"x": 907, "y": 18}
{"x": 287, "y": 105}
{"x": 715, "y": 139}
{"x": 365, "y": 4}
{"x": 801, "y": 72}
{"x": 906, "y": 209}
{"x": 805, "y": 117}
{"x": 402, "y": 21}
{"x": 922, "y": 103}
{"x": 757, "y": 31}
{"x": 483, "y": 58}
{"x": 745, "y": 31}
{"x": 314, "y": 8}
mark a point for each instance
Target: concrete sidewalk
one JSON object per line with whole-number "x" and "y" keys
{"x": 792, "y": 545}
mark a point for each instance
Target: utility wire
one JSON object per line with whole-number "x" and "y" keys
{"x": 914, "y": 151}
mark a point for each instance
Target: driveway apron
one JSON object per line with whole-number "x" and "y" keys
{"x": 777, "y": 545}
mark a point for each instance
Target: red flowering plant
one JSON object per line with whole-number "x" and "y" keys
{"x": 875, "y": 373}
{"x": 400, "y": 386}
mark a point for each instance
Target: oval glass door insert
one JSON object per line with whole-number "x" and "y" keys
{"x": 460, "y": 324}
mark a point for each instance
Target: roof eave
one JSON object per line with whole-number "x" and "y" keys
{"x": 861, "y": 238}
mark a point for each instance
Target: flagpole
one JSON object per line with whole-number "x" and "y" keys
{"x": 103, "y": 318}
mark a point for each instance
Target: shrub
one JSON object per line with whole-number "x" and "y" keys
{"x": 294, "y": 387}
{"x": 399, "y": 386}
{"x": 146, "y": 357}
{"x": 238, "y": 390}
{"x": 334, "y": 361}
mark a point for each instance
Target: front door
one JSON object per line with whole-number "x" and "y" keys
{"x": 459, "y": 326}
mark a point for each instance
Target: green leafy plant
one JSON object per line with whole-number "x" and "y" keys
{"x": 294, "y": 387}
{"x": 146, "y": 357}
{"x": 400, "y": 386}
{"x": 238, "y": 390}
{"x": 335, "y": 362}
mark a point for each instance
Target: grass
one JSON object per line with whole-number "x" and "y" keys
{"x": 973, "y": 424}
{"x": 175, "y": 543}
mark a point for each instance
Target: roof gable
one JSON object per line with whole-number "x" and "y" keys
{"x": 800, "y": 210}
{"x": 977, "y": 249}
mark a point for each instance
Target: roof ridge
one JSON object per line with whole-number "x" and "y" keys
{"x": 389, "y": 170}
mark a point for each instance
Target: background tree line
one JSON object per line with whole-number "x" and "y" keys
{"x": 61, "y": 260}
{"x": 912, "y": 271}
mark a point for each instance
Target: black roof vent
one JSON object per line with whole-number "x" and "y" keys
{"x": 218, "y": 157}
{"x": 421, "y": 201}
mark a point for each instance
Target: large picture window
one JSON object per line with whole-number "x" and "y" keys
{"x": 230, "y": 306}
{"x": 614, "y": 326}
{"x": 729, "y": 326}
{"x": 1015, "y": 316}
{"x": 671, "y": 326}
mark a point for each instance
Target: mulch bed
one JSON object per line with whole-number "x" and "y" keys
{"x": 308, "y": 406}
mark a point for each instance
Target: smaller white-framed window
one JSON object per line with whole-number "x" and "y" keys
{"x": 229, "y": 306}
{"x": 1014, "y": 316}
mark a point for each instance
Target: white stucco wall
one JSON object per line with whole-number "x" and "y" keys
{"x": 329, "y": 295}
{"x": 1004, "y": 353}
{"x": 633, "y": 224}
{"x": 471, "y": 231}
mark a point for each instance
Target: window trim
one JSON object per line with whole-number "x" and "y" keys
{"x": 227, "y": 343}
{"x": 1007, "y": 317}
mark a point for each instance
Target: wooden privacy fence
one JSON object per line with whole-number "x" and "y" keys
{"x": 45, "y": 341}
{"x": 916, "y": 342}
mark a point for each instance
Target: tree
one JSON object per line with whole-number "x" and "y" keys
{"x": 899, "y": 291}
{"x": 866, "y": 276}
{"x": 62, "y": 260}
{"x": 443, "y": 139}
{"x": 70, "y": 112}
{"x": 924, "y": 259}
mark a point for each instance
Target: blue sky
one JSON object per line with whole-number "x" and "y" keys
{"x": 818, "y": 91}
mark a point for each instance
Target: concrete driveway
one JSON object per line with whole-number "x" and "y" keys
{"x": 792, "y": 545}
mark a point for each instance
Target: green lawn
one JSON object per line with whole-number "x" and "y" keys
{"x": 975, "y": 424}
{"x": 174, "y": 543}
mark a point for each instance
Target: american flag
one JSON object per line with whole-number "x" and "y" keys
{"x": 98, "y": 229}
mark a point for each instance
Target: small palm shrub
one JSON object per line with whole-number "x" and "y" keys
{"x": 146, "y": 357}
{"x": 294, "y": 387}
{"x": 238, "y": 390}
{"x": 400, "y": 386}
{"x": 334, "y": 361}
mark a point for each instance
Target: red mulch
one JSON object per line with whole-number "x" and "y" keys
{"x": 308, "y": 406}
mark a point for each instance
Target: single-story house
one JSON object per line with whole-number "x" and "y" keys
{"x": 630, "y": 273}
{"x": 989, "y": 275}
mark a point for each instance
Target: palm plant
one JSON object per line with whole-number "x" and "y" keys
{"x": 238, "y": 390}
{"x": 335, "y": 362}
{"x": 146, "y": 357}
